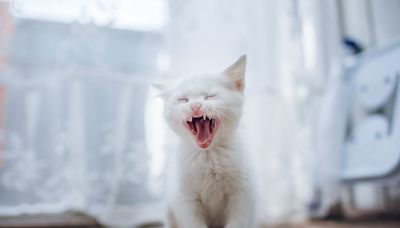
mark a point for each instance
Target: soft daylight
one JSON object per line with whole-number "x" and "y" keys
{"x": 200, "y": 113}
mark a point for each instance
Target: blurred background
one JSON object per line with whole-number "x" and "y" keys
{"x": 83, "y": 142}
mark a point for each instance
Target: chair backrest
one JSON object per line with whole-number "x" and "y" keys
{"x": 372, "y": 145}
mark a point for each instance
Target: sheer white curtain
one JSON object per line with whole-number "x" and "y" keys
{"x": 74, "y": 76}
{"x": 292, "y": 124}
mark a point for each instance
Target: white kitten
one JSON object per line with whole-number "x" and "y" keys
{"x": 213, "y": 185}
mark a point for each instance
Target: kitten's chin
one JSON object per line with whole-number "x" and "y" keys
{"x": 202, "y": 129}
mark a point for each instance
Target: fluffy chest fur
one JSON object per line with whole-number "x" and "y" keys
{"x": 211, "y": 177}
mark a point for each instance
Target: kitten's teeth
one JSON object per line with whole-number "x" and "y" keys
{"x": 191, "y": 119}
{"x": 204, "y": 117}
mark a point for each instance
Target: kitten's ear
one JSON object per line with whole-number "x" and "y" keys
{"x": 236, "y": 73}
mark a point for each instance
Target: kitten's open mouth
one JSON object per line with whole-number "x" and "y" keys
{"x": 202, "y": 129}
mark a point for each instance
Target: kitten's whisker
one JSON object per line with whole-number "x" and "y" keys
{"x": 227, "y": 116}
{"x": 223, "y": 128}
{"x": 223, "y": 107}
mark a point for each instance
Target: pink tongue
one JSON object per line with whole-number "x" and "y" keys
{"x": 203, "y": 130}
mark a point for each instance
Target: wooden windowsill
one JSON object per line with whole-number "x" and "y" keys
{"x": 48, "y": 220}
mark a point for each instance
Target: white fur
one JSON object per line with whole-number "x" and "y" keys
{"x": 213, "y": 185}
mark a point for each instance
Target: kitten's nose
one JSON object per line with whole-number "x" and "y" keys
{"x": 196, "y": 109}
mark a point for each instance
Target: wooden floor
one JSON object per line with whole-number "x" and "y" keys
{"x": 344, "y": 224}
{"x": 335, "y": 224}
{"x": 368, "y": 223}
{"x": 79, "y": 220}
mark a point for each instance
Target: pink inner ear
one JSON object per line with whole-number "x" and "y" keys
{"x": 239, "y": 85}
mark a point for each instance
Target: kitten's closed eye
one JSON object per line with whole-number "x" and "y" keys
{"x": 183, "y": 99}
{"x": 209, "y": 97}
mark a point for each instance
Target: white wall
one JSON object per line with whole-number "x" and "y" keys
{"x": 371, "y": 22}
